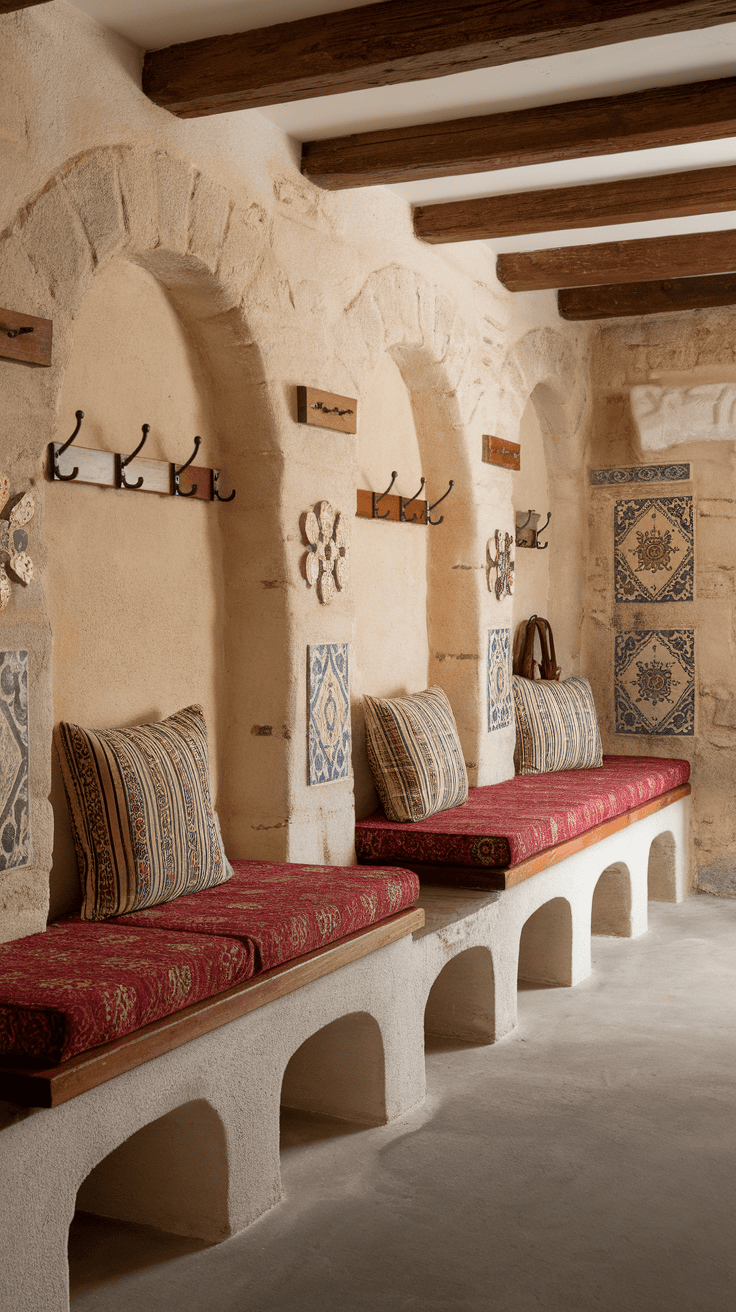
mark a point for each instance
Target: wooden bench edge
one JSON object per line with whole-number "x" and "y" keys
{"x": 57, "y": 1084}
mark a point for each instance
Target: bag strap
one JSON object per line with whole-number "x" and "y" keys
{"x": 547, "y": 665}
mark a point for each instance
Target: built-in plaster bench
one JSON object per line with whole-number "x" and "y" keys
{"x": 514, "y": 881}
{"x": 176, "y": 1124}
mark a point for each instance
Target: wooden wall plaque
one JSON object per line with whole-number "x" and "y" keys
{"x": 497, "y": 451}
{"x": 32, "y": 347}
{"x": 327, "y": 410}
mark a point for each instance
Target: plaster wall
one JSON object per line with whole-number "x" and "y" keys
{"x": 253, "y": 281}
{"x": 678, "y": 351}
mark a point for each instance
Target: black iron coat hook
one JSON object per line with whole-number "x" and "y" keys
{"x": 436, "y": 503}
{"x": 542, "y": 546}
{"x": 59, "y": 451}
{"x": 17, "y": 332}
{"x": 215, "y": 488}
{"x": 404, "y": 504}
{"x": 377, "y": 498}
{"x": 175, "y": 489}
{"x": 122, "y": 461}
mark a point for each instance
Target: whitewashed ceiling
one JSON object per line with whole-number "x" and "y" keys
{"x": 609, "y": 70}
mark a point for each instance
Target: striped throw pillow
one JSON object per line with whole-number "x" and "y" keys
{"x": 556, "y": 726}
{"x": 415, "y": 754}
{"x": 144, "y": 827}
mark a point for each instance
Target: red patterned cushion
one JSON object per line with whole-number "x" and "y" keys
{"x": 80, "y": 984}
{"x": 503, "y": 824}
{"x": 283, "y": 911}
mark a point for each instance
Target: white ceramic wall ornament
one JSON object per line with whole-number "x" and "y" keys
{"x": 14, "y": 540}
{"x": 500, "y": 557}
{"x": 327, "y": 565}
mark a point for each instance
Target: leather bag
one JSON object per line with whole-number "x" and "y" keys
{"x": 525, "y": 664}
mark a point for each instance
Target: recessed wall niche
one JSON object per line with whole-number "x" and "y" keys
{"x": 134, "y": 583}
{"x": 388, "y": 564}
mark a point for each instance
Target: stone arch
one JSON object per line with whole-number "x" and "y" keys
{"x": 548, "y": 368}
{"x": 172, "y": 1173}
{"x": 461, "y": 1001}
{"x": 151, "y": 208}
{"x": 340, "y": 1071}
{"x": 662, "y": 868}
{"x": 402, "y": 314}
{"x": 546, "y": 945}
{"x": 612, "y": 902}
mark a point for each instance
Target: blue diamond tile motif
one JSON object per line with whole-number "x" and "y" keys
{"x": 15, "y": 836}
{"x": 500, "y": 703}
{"x": 329, "y": 713}
{"x": 653, "y": 539}
{"x": 639, "y": 474}
{"x": 655, "y": 682}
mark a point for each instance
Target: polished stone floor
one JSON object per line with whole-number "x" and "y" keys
{"x": 587, "y": 1163}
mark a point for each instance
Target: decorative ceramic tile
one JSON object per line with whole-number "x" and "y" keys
{"x": 654, "y": 549}
{"x": 500, "y": 558}
{"x": 327, "y": 559}
{"x": 13, "y": 541}
{"x": 500, "y": 703}
{"x": 15, "y": 837}
{"x": 329, "y": 713}
{"x": 640, "y": 474}
{"x": 655, "y": 681}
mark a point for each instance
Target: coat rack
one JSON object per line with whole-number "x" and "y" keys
{"x": 133, "y": 473}
{"x": 384, "y": 505}
{"x": 529, "y": 528}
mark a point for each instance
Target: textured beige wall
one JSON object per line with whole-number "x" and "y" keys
{"x": 679, "y": 351}
{"x": 252, "y": 281}
{"x": 134, "y": 582}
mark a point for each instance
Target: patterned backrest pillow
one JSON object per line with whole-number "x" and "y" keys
{"x": 556, "y": 726}
{"x": 144, "y": 827}
{"x": 415, "y": 754}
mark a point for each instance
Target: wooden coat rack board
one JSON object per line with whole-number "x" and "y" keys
{"x": 68, "y": 463}
{"x": 399, "y": 510}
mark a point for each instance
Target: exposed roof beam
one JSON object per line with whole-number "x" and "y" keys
{"x": 627, "y": 300}
{"x": 640, "y": 120}
{"x": 626, "y": 200}
{"x": 399, "y": 41}
{"x": 9, "y": 6}
{"x": 682, "y": 256}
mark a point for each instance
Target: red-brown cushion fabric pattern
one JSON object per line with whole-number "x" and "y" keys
{"x": 283, "y": 911}
{"x": 503, "y": 824}
{"x": 81, "y": 984}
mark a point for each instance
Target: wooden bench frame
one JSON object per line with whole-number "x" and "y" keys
{"x": 495, "y": 877}
{"x": 57, "y": 1084}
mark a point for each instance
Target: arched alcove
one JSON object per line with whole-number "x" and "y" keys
{"x": 545, "y": 947}
{"x": 340, "y": 1072}
{"x": 531, "y": 492}
{"x": 662, "y": 869}
{"x": 388, "y": 565}
{"x": 611, "y": 912}
{"x": 172, "y": 1174}
{"x": 461, "y": 1002}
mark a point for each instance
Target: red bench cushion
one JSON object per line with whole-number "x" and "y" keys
{"x": 503, "y": 824}
{"x": 282, "y": 911}
{"x": 81, "y": 983}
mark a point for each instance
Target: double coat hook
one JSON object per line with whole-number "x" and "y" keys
{"x": 175, "y": 473}
{"x": 59, "y": 451}
{"x": 122, "y": 461}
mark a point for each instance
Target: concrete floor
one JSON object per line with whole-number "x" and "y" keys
{"x": 587, "y": 1162}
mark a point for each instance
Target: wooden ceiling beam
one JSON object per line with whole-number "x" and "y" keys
{"x": 9, "y": 6}
{"x": 640, "y": 120}
{"x": 626, "y": 200}
{"x": 681, "y": 256}
{"x": 631, "y": 299}
{"x": 399, "y": 41}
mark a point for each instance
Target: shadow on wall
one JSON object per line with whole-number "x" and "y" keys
{"x": 152, "y": 598}
{"x": 340, "y": 1072}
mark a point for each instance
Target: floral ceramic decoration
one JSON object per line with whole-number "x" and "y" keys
{"x": 14, "y": 541}
{"x": 654, "y": 549}
{"x": 327, "y": 564}
{"x": 500, "y": 557}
